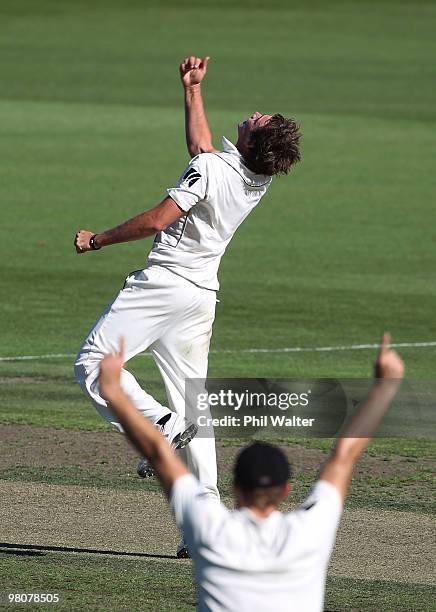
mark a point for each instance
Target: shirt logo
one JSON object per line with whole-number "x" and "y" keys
{"x": 191, "y": 177}
{"x": 308, "y": 506}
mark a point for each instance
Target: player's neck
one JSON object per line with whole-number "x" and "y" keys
{"x": 241, "y": 145}
{"x": 262, "y": 513}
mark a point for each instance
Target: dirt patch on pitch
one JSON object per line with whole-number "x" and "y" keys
{"x": 109, "y": 453}
{"x": 105, "y": 460}
{"x": 307, "y": 461}
{"x": 24, "y": 445}
{"x": 380, "y": 545}
{"x": 57, "y": 507}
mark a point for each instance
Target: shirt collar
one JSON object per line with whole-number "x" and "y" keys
{"x": 232, "y": 156}
{"x": 229, "y": 147}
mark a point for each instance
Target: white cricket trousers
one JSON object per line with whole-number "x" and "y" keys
{"x": 170, "y": 316}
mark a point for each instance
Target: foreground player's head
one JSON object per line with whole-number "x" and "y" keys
{"x": 269, "y": 144}
{"x": 261, "y": 477}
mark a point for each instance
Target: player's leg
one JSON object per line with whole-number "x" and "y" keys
{"x": 140, "y": 314}
{"x": 183, "y": 353}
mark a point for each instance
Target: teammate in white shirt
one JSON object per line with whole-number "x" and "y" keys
{"x": 257, "y": 558}
{"x": 169, "y": 306}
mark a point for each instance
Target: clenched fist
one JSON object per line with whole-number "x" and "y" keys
{"x": 193, "y": 70}
{"x": 81, "y": 241}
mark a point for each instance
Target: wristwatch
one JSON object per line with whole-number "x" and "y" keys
{"x": 93, "y": 244}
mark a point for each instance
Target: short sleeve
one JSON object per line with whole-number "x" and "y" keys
{"x": 320, "y": 514}
{"x": 193, "y": 186}
{"x": 197, "y": 514}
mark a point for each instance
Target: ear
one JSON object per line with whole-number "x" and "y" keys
{"x": 237, "y": 493}
{"x": 287, "y": 488}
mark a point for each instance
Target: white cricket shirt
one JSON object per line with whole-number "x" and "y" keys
{"x": 244, "y": 563}
{"x": 217, "y": 192}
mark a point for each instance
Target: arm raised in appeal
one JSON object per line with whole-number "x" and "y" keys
{"x": 389, "y": 370}
{"x": 198, "y": 140}
{"x": 198, "y": 137}
{"x": 143, "y": 435}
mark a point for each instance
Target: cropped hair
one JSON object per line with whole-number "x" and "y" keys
{"x": 274, "y": 147}
{"x": 263, "y": 497}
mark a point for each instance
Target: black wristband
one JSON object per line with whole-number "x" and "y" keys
{"x": 92, "y": 243}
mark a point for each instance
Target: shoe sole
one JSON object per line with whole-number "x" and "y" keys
{"x": 180, "y": 441}
{"x": 183, "y": 439}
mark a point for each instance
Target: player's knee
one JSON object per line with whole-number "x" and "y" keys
{"x": 85, "y": 367}
{"x": 87, "y": 378}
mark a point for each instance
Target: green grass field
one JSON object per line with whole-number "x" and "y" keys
{"x": 92, "y": 133}
{"x": 86, "y": 581}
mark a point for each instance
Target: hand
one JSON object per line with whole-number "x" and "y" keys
{"x": 193, "y": 70}
{"x": 110, "y": 371}
{"x": 388, "y": 364}
{"x": 81, "y": 241}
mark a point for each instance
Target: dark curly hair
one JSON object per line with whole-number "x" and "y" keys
{"x": 274, "y": 147}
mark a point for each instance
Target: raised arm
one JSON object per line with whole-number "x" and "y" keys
{"x": 145, "y": 224}
{"x": 198, "y": 136}
{"x": 142, "y": 434}
{"x": 389, "y": 370}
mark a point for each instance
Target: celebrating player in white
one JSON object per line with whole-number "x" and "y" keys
{"x": 169, "y": 306}
{"x": 256, "y": 558}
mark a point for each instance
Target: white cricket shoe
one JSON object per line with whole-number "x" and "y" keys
{"x": 177, "y": 430}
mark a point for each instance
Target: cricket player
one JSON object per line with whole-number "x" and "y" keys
{"x": 168, "y": 307}
{"x": 257, "y": 558}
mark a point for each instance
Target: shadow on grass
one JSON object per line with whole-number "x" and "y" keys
{"x": 23, "y": 553}
{"x": 34, "y": 549}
